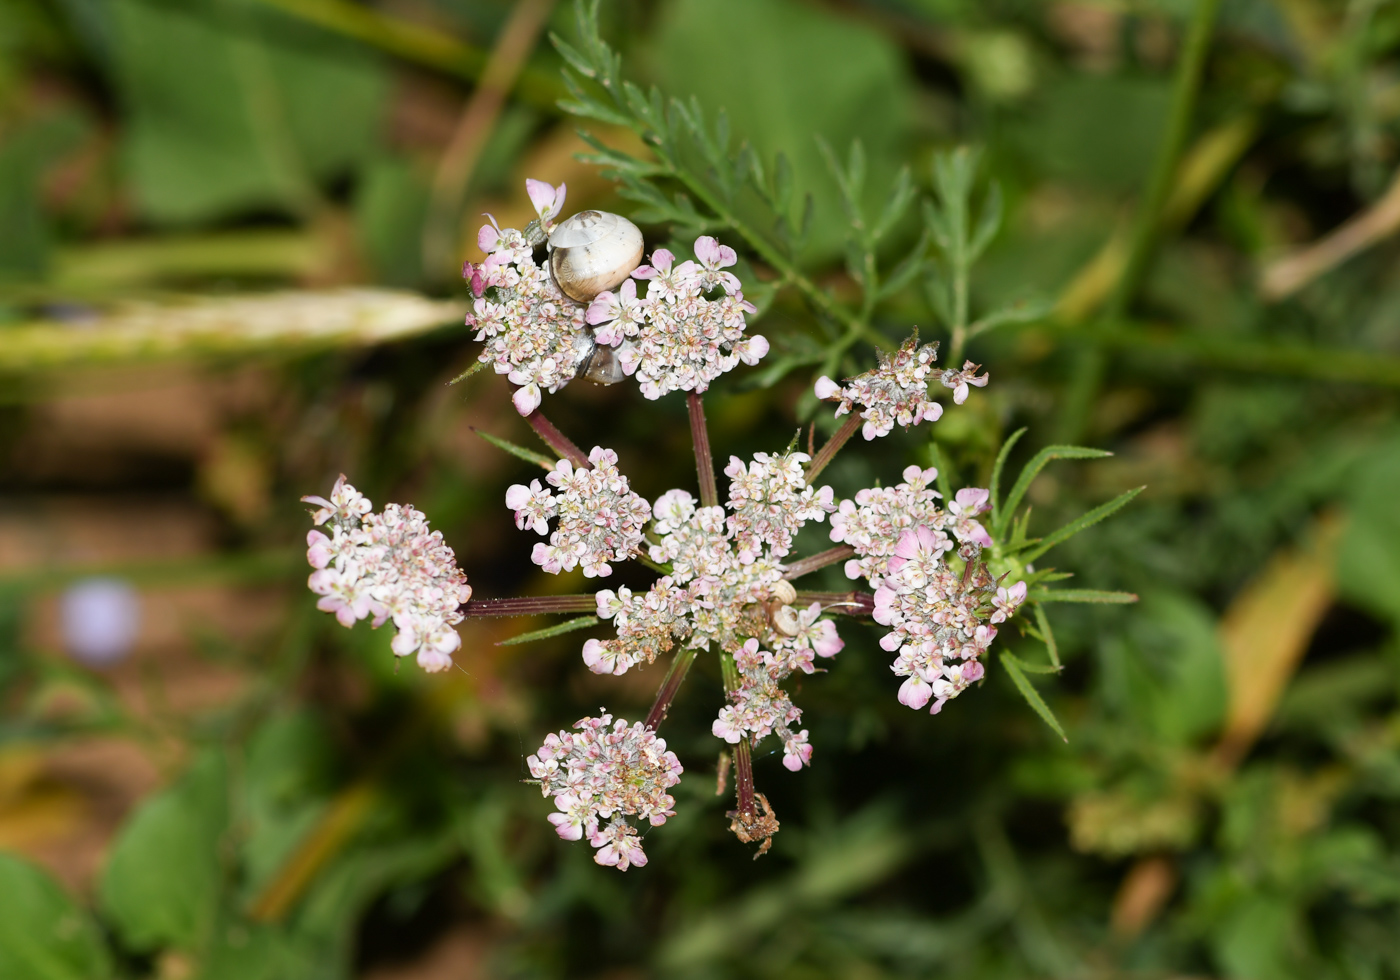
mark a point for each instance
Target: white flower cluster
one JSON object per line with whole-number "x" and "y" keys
{"x": 938, "y": 615}
{"x": 535, "y": 335}
{"x": 675, "y": 339}
{"x": 387, "y": 566}
{"x": 770, "y": 501}
{"x": 726, "y": 589}
{"x": 895, "y": 391}
{"x": 600, "y": 518}
{"x": 607, "y": 771}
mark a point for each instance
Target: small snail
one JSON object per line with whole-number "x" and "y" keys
{"x": 593, "y": 251}
{"x": 785, "y": 621}
{"x": 603, "y": 365}
{"x": 784, "y": 592}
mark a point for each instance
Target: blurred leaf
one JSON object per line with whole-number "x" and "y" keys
{"x": 44, "y": 935}
{"x": 228, "y": 107}
{"x": 783, "y": 71}
{"x": 391, "y": 202}
{"x": 161, "y": 883}
{"x": 1368, "y": 564}
{"x": 1268, "y": 627}
{"x": 26, "y": 153}
{"x": 211, "y": 326}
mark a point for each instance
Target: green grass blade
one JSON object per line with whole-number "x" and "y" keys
{"x": 1031, "y": 471}
{"x": 582, "y": 623}
{"x": 1082, "y": 595}
{"x": 1047, "y": 635}
{"x": 519, "y": 452}
{"x": 1081, "y": 522}
{"x": 1014, "y": 669}
{"x": 1000, "y": 464}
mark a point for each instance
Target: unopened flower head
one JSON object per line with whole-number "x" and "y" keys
{"x": 677, "y": 338}
{"x": 896, "y": 391}
{"x": 607, "y": 771}
{"x": 600, "y": 519}
{"x": 959, "y": 380}
{"x": 387, "y": 566}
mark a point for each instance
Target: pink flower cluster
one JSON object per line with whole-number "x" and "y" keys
{"x": 895, "y": 391}
{"x": 770, "y": 501}
{"x": 607, "y": 771}
{"x": 600, "y": 519}
{"x": 758, "y": 707}
{"x": 387, "y": 566}
{"x": 676, "y": 339}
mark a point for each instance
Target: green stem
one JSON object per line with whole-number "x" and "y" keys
{"x": 1092, "y": 363}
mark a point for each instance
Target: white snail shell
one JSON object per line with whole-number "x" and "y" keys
{"x": 784, "y": 592}
{"x": 593, "y": 251}
{"x": 785, "y": 621}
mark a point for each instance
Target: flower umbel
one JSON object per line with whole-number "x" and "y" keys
{"x": 895, "y": 391}
{"x": 607, "y": 771}
{"x": 387, "y": 566}
{"x": 599, "y": 518}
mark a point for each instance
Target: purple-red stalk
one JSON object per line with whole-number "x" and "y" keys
{"x": 675, "y": 677}
{"x": 743, "y": 778}
{"x": 557, "y": 441}
{"x": 531, "y": 605}
{"x": 833, "y": 445}
{"x": 805, "y": 566}
{"x": 704, "y": 461}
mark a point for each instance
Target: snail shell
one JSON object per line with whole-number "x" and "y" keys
{"x": 603, "y": 365}
{"x": 785, "y": 621}
{"x": 593, "y": 251}
{"x": 784, "y": 592}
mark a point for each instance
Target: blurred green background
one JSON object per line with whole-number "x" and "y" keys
{"x": 230, "y": 236}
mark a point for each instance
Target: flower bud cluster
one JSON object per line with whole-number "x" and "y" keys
{"x": 387, "y": 566}
{"x": 895, "y": 391}
{"x": 607, "y": 771}
{"x": 770, "y": 501}
{"x": 600, "y": 519}
{"x": 675, "y": 338}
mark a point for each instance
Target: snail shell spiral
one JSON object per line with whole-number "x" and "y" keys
{"x": 593, "y": 251}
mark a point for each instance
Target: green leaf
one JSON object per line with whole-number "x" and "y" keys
{"x": 1026, "y": 311}
{"x": 45, "y": 935}
{"x": 1081, "y": 595}
{"x": 908, "y": 269}
{"x": 476, "y": 366}
{"x": 582, "y": 623}
{"x": 1368, "y": 561}
{"x": 226, "y": 107}
{"x": 519, "y": 452}
{"x": 1015, "y": 670}
{"x": 1082, "y": 522}
{"x": 784, "y": 70}
{"x": 161, "y": 884}
{"x": 1047, "y": 635}
{"x": 997, "y": 467}
{"x": 1032, "y": 469}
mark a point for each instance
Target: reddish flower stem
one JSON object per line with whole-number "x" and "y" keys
{"x": 743, "y": 778}
{"x": 849, "y": 603}
{"x": 675, "y": 677}
{"x": 833, "y": 445}
{"x": 531, "y": 605}
{"x": 704, "y": 461}
{"x": 821, "y": 559}
{"x": 557, "y": 441}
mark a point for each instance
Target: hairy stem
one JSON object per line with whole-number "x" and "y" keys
{"x": 833, "y": 446}
{"x": 531, "y": 605}
{"x": 805, "y": 566}
{"x": 671, "y": 684}
{"x": 743, "y": 752}
{"x": 557, "y": 441}
{"x": 704, "y": 461}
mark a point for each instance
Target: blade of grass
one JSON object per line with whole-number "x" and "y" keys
{"x": 582, "y": 623}
{"x": 1082, "y": 522}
